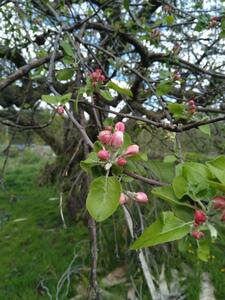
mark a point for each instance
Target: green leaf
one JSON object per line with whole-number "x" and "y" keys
{"x": 51, "y": 99}
{"x": 205, "y": 129}
{"x": 103, "y": 197}
{"x": 203, "y": 250}
{"x": 217, "y": 168}
{"x": 216, "y": 185}
{"x": 68, "y": 60}
{"x": 182, "y": 212}
{"x": 178, "y": 110}
{"x": 166, "y": 228}
{"x": 183, "y": 245}
{"x": 170, "y": 159}
{"x": 197, "y": 186}
{"x": 89, "y": 162}
{"x": 65, "y": 98}
{"x": 106, "y": 95}
{"x": 192, "y": 170}
{"x": 180, "y": 186}
{"x": 222, "y": 34}
{"x": 163, "y": 88}
{"x": 112, "y": 85}
{"x": 140, "y": 156}
{"x": 170, "y": 20}
{"x": 65, "y": 74}
{"x": 108, "y": 122}
{"x": 163, "y": 170}
{"x": 126, "y": 4}
{"x": 67, "y": 48}
{"x": 202, "y": 24}
{"x": 166, "y": 193}
{"x": 80, "y": 93}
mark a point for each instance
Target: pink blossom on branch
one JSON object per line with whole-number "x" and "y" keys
{"x": 219, "y": 202}
{"x": 200, "y": 217}
{"x": 105, "y": 137}
{"x": 103, "y": 155}
{"x": 60, "y": 110}
{"x": 197, "y": 234}
{"x": 97, "y": 77}
{"x": 120, "y": 126}
{"x": 121, "y": 161}
{"x": 132, "y": 150}
{"x": 117, "y": 139}
{"x": 141, "y": 197}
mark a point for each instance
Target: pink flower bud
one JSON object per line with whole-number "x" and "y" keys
{"x": 105, "y": 136}
{"x": 97, "y": 76}
{"x": 123, "y": 199}
{"x": 60, "y": 110}
{"x": 121, "y": 161}
{"x": 141, "y": 197}
{"x": 132, "y": 150}
{"x": 117, "y": 139}
{"x": 219, "y": 202}
{"x": 200, "y": 217}
{"x": 103, "y": 155}
{"x": 120, "y": 126}
{"x": 197, "y": 234}
{"x": 102, "y": 78}
{"x": 191, "y": 102}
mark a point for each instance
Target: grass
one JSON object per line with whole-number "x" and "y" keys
{"x": 35, "y": 247}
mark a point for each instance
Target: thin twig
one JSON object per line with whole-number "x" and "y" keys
{"x": 61, "y": 210}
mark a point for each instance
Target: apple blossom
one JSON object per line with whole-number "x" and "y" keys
{"x": 60, "y": 110}
{"x": 141, "y": 197}
{"x": 219, "y": 202}
{"x": 117, "y": 139}
{"x": 103, "y": 155}
{"x": 120, "y": 126}
{"x": 200, "y": 217}
{"x": 105, "y": 136}
{"x": 121, "y": 161}
{"x": 132, "y": 150}
{"x": 197, "y": 234}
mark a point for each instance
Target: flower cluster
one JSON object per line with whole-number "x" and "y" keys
{"x": 200, "y": 218}
{"x": 213, "y": 22}
{"x": 112, "y": 140}
{"x": 191, "y": 106}
{"x": 97, "y": 77}
{"x": 219, "y": 203}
